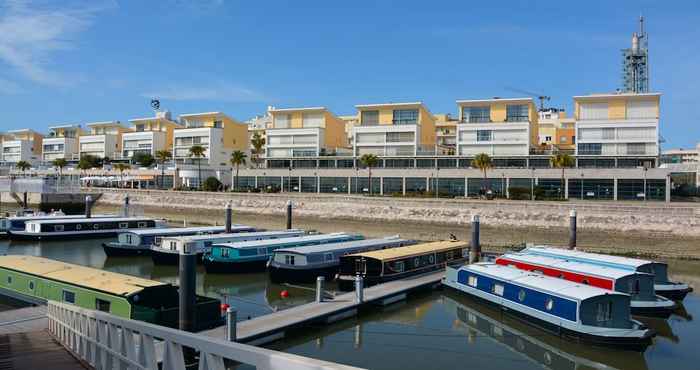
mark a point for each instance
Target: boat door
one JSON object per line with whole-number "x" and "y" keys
{"x": 361, "y": 266}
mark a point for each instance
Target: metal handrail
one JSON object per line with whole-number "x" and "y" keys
{"x": 106, "y": 341}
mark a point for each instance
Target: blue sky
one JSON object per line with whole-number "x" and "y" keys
{"x": 85, "y": 61}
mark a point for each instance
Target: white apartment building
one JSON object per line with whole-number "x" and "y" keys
{"x": 497, "y": 127}
{"x": 149, "y": 135}
{"x": 681, "y": 155}
{"x": 103, "y": 141}
{"x": 625, "y": 124}
{"x": 21, "y": 145}
{"x": 304, "y": 132}
{"x": 62, "y": 142}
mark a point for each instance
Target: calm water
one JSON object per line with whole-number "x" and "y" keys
{"x": 439, "y": 330}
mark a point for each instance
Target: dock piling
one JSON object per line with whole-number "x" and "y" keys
{"x": 320, "y": 282}
{"x": 88, "y": 206}
{"x": 228, "y": 217}
{"x": 231, "y": 318}
{"x": 187, "y": 291}
{"x": 359, "y": 289}
{"x": 572, "y": 229}
{"x": 126, "y": 206}
{"x": 289, "y": 215}
{"x": 475, "y": 246}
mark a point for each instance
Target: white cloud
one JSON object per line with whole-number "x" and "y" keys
{"x": 33, "y": 31}
{"x": 218, "y": 92}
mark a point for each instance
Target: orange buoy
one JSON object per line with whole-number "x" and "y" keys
{"x": 284, "y": 294}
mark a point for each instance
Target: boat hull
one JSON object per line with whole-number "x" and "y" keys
{"x": 166, "y": 258}
{"x": 347, "y": 282}
{"x": 218, "y": 267}
{"x": 116, "y": 250}
{"x": 20, "y": 235}
{"x": 282, "y": 275}
{"x": 676, "y": 292}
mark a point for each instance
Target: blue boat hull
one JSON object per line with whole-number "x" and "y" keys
{"x": 218, "y": 267}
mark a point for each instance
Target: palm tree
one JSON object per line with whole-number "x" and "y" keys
{"x": 237, "y": 159}
{"x": 121, "y": 167}
{"x": 369, "y": 160}
{"x": 197, "y": 151}
{"x": 562, "y": 161}
{"x": 163, "y": 156}
{"x": 483, "y": 162}
{"x": 258, "y": 144}
{"x": 23, "y": 166}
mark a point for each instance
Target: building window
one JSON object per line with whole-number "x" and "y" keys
{"x": 517, "y": 113}
{"x": 590, "y": 148}
{"x": 608, "y": 134}
{"x": 562, "y": 139}
{"x": 476, "y": 114}
{"x": 636, "y": 148}
{"x": 68, "y": 297}
{"x": 218, "y": 124}
{"x": 573, "y": 139}
{"x": 399, "y": 137}
{"x": 547, "y": 138}
{"x": 483, "y": 135}
{"x": 369, "y": 117}
{"x": 102, "y": 305}
{"x": 283, "y": 120}
{"x": 604, "y": 311}
{"x": 405, "y": 117}
{"x": 312, "y": 120}
{"x": 140, "y": 127}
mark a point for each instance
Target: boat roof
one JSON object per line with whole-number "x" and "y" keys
{"x": 561, "y": 287}
{"x": 411, "y": 250}
{"x": 334, "y": 247}
{"x": 86, "y": 277}
{"x": 572, "y": 266}
{"x": 215, "y": 237}
{"x": 288, "y": 241}
{"x": 605, "y": 258}
{"x": 84, "y": 219}
{"x": 180, "y": 230}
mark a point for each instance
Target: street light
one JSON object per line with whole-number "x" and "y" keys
{"x": 437, "y": 180}
{"x": 645, "y": 182}
{"x": 581, "y": 185}
{"x": 532, "y": 185}
{"x": 289, "y": 178}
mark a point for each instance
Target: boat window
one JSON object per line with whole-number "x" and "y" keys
{"x": 497, "y": 289}
{"x": 224, "y": 252}
{"x": 58, "y": 228}
{"x": 68, "y": 297}
{"x": 431, "y": 258}
{"x": 416, "y": 262}
{"x": 521, "y": 295}
{"x": 472, "y": 281}
{"x": 549, "y": 304}
{"x": 398, "y": 266}
{"x": 31, "y": 285}
{"x": 9, "y": 279}
{"x": 289, "y": 260}
{"x": 78, "y": 226}
{"x": 96, "y": 226}
{"x": 585, "y": 281}
{"x": 142, "y": 225}
{"x": 604, "y": 311}
{"x": 102, "y": 305}
{"x": 123, "y": 225}
{"x": 128, "y": 239}
{"x": 634, "y": 286}
{"x": 329, "y": 256}
{"x": 465, "y": 252}
{"x": 448, "y": 255}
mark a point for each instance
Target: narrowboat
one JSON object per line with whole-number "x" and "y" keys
{"x": 639, "y": 285}
{"x": 37, "y": 280}
{"x": 168, "y": 251}
{"x": 662, "y": 285}
{"x": 396, "y": 263}
{"x": 18, "y": 223}
{"x": 253, "y": 256}
{"x": 135, "y": 242}
{"x": 83, "y": 227}
{"x": 570, "y": 310}
{"x": 305, "y": 264}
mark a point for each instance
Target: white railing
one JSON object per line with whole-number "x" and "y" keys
{"x": 106, "y": 342}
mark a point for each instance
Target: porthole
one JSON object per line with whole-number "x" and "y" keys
{"x": 521, "y": 295}
{"x": 431, "y": 258}
{"x": 9, "y": 279}
{"x": 549, "y": 304}
{"x": 416, "y": 262}
{"x": 31, "y": 285}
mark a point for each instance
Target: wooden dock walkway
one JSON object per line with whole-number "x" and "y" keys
{"x": 21, "y": 320}
{"x": 35, "y": 350}
{"x": 271, "y": 327}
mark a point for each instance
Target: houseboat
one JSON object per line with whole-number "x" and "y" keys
{"x": 83, "y": 227}
{"x": 662, "y": 285}
{"x": 385, "y": 265}
{"x": 18, "y": 223}
{"x": 571, "y": 310}
{"x": 305, "y": 264}
{"x": 639, "y": 285}
{"x": 37, "y": 280}
{"x": 135, "y": 242}
{"x": 253, "y": 255}
{"x": 168, "y": 250}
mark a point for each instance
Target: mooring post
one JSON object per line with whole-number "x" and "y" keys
{"x": 475, "y": 246}
{"x": 231, "y": 326}
{"x": 320, "y": 282}
{"x": 188, "y": 286}
{"x": 572, "y": 229}
{"x": 26, "y": 204}
{"x": 359, "y": 289}
{"x": 289, "y": 215}
{"x": 88, "y": 206}
{"x": 126, "y": 206}
{"x": 228, "y": 217}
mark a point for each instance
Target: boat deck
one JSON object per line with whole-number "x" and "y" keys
{"x": 268, "y": 328}
{"x": 35, "y": 350}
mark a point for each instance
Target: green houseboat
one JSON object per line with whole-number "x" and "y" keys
{"x": 37, "y": 279}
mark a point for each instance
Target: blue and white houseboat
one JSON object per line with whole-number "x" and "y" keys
{"x": 254, "y": 255}
{"x": 83, "y": 227}
{"x": 167, "y": 251}
{"x": 305, "y": 264}
{"x": 573, "y": 311}
{"x": 18, "y": 223}
{"x": 136, "y": 242}
{"x": 662, "y": 284}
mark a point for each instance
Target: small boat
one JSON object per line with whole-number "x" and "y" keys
{"x": 396, "y": 263}
{"x": 662, "y": 285}
{"x": 92, "y": 227}
{"x": 18, "y": 223}
{"x": 167, "y": 252}
{"x": 305, "y": 264}
{"x": 253, "y": 255}
{"x": 135, "y": 242}
{"x": 571, "y": 310}
{"x": 36, "y": 280}
{"x": 639, "y": 285}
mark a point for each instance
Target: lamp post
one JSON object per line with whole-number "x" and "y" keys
{"x": 289, "y": 178}
{"x": 582, "y": 185}
{"x": 532, "y": 185}
{"x": 645, "y": 182}
{"x": 437, "y": 181}
{"x": 503, "y": 184}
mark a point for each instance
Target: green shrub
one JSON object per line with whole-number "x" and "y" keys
{"x": 519, "y": 193}
{"x": 211, "y": 184}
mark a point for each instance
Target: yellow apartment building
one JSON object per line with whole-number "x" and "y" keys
{"x": 305, "y": 132}
{"x": 218, "y": 133}
{"x": 394, "y": 129}
{"x": 149, "y": 135}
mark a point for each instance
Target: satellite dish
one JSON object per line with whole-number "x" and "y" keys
{"x": 155, "y": 104}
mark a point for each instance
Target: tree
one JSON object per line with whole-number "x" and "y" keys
{"x": 258, "y": 144}
{"x": 197, "y": 151}
{"x": 562, "y": 161}
{"x": 483, "y": 162}
{"x": 88, "y": 161}
{"x": 121, "y": 167}
{"x": 143, "y": 159}
{"x": 369, "y": 160}
{"x": 59, "y": 163}
{"x": 211, "y": 184}
{"x": 23, "y": 165}
{"x": 163, "y": 156}
{"x": 237, "y": 159}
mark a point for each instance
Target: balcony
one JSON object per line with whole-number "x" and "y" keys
{"x": 517, "y": 119}
{"x": 476, "y": 119}
{"x": 404, "y": 122}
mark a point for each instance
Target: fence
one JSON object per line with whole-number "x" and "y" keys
{"x": 105, "y": 341}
